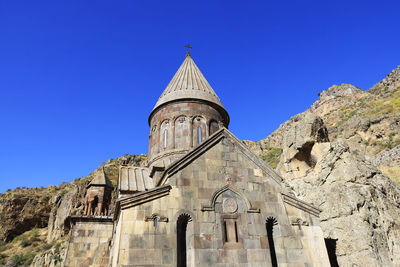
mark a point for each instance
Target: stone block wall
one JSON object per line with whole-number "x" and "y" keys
{"x": 89, "y": 243}
{"x": 221, "y": 189}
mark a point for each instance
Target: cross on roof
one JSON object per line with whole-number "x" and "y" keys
{"x": 188, "y": 49}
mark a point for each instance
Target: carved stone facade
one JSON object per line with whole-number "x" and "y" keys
{"x": 205, "y": 198}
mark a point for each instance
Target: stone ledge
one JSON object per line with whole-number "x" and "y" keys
{"x": 297, "y": 203}
{"x": 81, "y": 218}
{"x": 140, "y": 198}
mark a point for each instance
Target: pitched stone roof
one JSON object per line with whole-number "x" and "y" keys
{"x": 188, "y": 83}
{"x": 100, "y": 179}
{"x": 134, "y": 179}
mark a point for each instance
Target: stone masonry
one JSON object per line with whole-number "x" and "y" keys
{"x": 204, "y": 199}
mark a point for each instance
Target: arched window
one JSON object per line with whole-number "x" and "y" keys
{"x": 199, "y": 134}
{"x": 199, "y": 130}
{"x": 181, "y": 235}
{"x": 165, "y": 138}
{"x": 271, "y": 222}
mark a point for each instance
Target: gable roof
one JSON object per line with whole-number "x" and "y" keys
{"x": 188, "y": 83}
{"x": 208, "y": 144}
{"x": 100, "y": 179}
{"x": 134, "y": 179}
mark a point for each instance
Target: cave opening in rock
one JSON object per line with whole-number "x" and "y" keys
{"x": 331, "y": 248}
{"x": 304, "y": 154}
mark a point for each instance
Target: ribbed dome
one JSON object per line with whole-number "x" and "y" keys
{"x": 188, "y": 83}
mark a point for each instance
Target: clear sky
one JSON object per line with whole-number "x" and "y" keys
{"x": 78, "y": 79}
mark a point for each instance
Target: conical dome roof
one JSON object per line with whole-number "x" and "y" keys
{"x": 188, "y": 83}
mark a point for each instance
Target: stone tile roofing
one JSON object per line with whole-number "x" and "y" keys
{"x": 188, "y": 83}
{"x": 100, "y": 179}
{"x": 134, "y": 179}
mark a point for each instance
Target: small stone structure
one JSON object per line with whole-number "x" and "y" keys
{"x": 204, "y": 199}
{"x": 98, "y": 196}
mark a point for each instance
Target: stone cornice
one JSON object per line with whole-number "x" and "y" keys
{"x": 166, "y": 154}
{"x": 297, "y": 203}
{"x": 75, "y": 218}
{"x": 140, "y": 198}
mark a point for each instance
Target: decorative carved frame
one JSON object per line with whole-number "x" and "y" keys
{"x": 211, "y": 205}
{"x": 156, "y": 216}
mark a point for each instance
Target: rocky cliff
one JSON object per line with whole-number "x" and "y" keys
{"x": 34, "y": 229}
{"x": 343, "y": 156}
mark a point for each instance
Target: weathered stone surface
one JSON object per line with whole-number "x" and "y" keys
{"x": 303, "y": 145}
{"x": 391, "y": 81}
{"x": 60, "y": 211}
{"x": 349, "y": 179}
{"x": 22, "y": 210}
{"x": 89, "y": 242}
{"x": 53, "y": 258}
{"x": 360, "y": 206}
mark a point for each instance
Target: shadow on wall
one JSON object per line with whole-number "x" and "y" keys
{"x": 331, "y": 248}
{"x": 271, "y": 222}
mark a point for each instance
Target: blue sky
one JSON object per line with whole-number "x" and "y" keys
{"x": 78, "y": 79}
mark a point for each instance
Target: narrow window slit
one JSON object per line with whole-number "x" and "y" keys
{"x": 165, "y": 138}
{"x": 236, "y": 232}
{"x": 199, "y": 134}
{"x": 225, "y": 232}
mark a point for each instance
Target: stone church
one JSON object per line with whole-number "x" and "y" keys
{"x": 204, "y": 198}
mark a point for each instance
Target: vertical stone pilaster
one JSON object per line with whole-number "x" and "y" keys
{"x": 207, "y": 127}
{"x": 191, "y": 130}
{"x": 173, "y": 132}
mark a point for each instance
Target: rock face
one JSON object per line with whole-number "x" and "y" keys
{"x": 391, "y": 81}
{"x": 52, "y": 258}
{"x": 61, "y": 209}
{"x": 22, "y": 210}
{"x": 302, "y": 145}
{"x": 71, "y": 203}
{"x": 343, "y": 156}
{"x": 360, "y": 206}
{"x": 333, "y": 97}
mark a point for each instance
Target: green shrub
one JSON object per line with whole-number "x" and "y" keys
{"x": 2, "y": 245}
{"x": 25, "y": 242}
{"x": 46, "y": 246}
{"x": 3, "y": 259}
{"x": 63, "y": 192}
{"x": 271, "y": 156}
{"x": 23, "y": 259}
